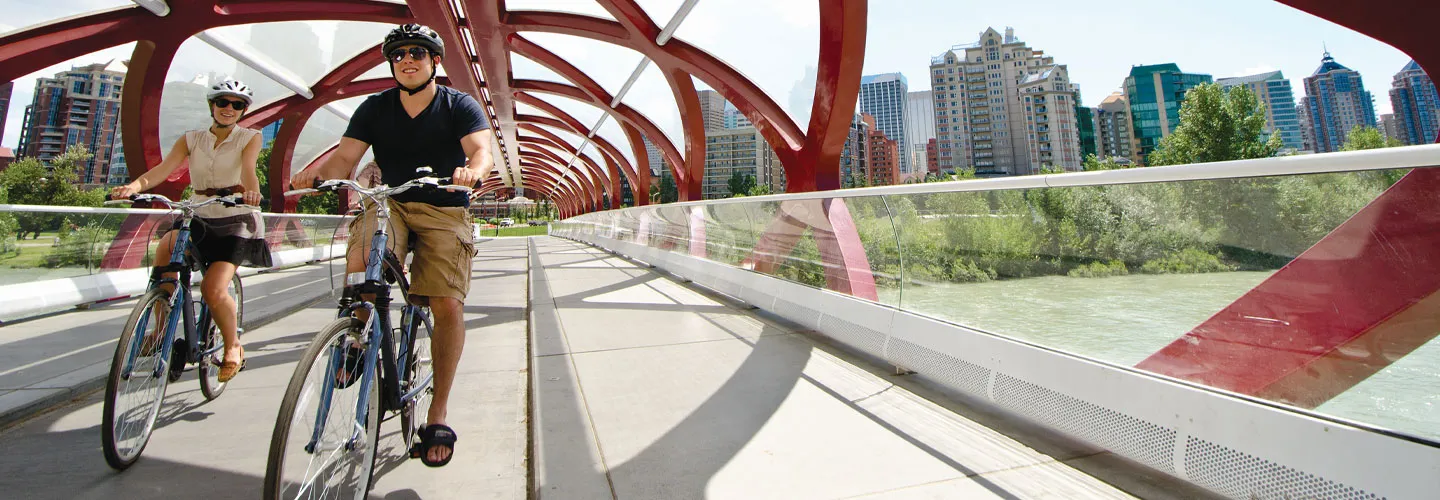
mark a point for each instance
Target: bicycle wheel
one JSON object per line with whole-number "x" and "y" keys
{"x": 212, "y": 344}
{"x": 338, "y": 464}
{"x": 137, "y": 382}
{"x": 418, "y": 373}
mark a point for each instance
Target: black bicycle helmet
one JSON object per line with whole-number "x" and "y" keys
{"x": 413, "y": 34}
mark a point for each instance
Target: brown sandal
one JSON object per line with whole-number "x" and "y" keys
{"x": 228, "y": 369}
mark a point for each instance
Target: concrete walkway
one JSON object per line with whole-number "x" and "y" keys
{"x": 649, "y": 389}
{"x": 217, "y": 450}
{"x": 622, "y": 383}
{"x": 53, "y": 359}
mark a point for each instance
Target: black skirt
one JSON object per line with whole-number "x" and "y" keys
{"x": 236, "y": 239}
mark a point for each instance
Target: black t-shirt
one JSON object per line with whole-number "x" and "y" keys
{"x": 403, "y": 144}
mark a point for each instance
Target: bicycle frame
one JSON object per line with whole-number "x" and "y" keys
{"x": 379, "y": 330}
{"x": 181, "y": 302}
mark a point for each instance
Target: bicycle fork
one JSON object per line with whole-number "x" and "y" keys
{"x": 327, "y": 391}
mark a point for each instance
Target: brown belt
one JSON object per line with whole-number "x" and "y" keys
{"x": 237, "y": 189}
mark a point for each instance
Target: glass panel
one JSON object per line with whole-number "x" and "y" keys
{"x": 786, "y": 76}
{"x": 1119, "y": 272}
{"x": 350, "y": 38}
{"x": 609, "y": 65}
{"x": 584, "y": 112}
{"x": 660, "y": 10}
{"x": 796, "y": 230}
{"x": 613, "y": 132}
{"x": 19, "y": 15}
{"x": 729, "y": 233}
{"x": 651, "y": 97}
{"x": 586, "y": 7}
{"x": 322, "y": 131}
{"x": 63, "y": 243}
{"x": 523, "y": 68}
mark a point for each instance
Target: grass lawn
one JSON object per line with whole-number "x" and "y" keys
{"x": 28, "y": 258}
{"x": 515, "y": 231}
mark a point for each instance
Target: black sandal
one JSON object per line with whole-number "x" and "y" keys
{"x": 432, "y": 436}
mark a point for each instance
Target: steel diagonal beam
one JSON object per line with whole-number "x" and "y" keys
{"x": 564, "y": 120}
{"x": 486, "y": 26}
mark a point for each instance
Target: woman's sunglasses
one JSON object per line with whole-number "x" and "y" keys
{"x": 416, "y": 53}
{"x": 236, "y": 105}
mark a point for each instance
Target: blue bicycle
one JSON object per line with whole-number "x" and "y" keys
{"x": 355, "y": 372}
{"x": 148, "y": 357}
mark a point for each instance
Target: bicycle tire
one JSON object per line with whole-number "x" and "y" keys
{"x": 276, "y": 486}
{"x": 419, "y": 366}
{"x": 121, "y": 457}
{"x": 210, "y": 384}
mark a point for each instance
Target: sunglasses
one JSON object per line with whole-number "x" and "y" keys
{"x": 236, "y": 105}
{"x": 416, "y": 53}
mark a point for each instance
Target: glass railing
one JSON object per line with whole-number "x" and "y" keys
{"x": 42, "y": 245}
{"x": 1305, "y": 289}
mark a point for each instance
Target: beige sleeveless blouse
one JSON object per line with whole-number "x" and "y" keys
{"x": 215, "y": 167}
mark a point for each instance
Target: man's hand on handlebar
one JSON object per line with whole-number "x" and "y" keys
{"x": 305, "y": 179}
{"x": 464, "y": 177}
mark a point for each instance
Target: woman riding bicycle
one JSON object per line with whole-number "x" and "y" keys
{"x": 222, "y": 158}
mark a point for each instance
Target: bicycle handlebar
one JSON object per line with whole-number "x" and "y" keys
{"x": 228, "y": 201}
{"x": 442, "y": 183}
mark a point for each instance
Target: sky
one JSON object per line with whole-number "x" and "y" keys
{"x": 774, "y": 43}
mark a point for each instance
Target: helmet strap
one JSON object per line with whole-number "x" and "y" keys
{"x": 416, "y": 90}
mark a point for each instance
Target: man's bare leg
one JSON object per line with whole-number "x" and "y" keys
{"x": 446, "y": 345}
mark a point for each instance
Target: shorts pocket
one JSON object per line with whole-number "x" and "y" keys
{"x": 464, "y": 252}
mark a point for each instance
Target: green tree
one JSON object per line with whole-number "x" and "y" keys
{"x": 741, "y": 183}
{"x": 668, "y": 192}
{"x": 1362, "y": 137}
{"x": 1092, "y": 163}
{"x": 1217, "y": 125}
{"x": 759, "y": 190}
{"x": 29, "y": 182}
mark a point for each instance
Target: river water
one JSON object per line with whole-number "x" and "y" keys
{"x": 1124, "y": 319}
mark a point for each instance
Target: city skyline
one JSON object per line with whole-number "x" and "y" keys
{"x": 1098, "y": 42}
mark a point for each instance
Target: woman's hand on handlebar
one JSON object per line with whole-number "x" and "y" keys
{"x": 252, "y": 198}
{"x": 124, "y": 192}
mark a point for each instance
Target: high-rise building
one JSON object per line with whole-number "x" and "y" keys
{"x": 1115, "y": 134}
{"x": 1052, "y": 130}
{"x": 980, "y": 115}
{"x": 1156, "y": 93}
{"x": 932, "y": 166}
{"x": 712, "y": 109}
{"x": 79, "y": 107}
{"x": 1307, "y": 129}
{"x": 1389, "y": 126}
{"x": 734, "y": 118}
{"x": 855, "y": 156}
{"x": 884, "y": 97}
{"x": 119, "y": 171}
{"x": 1337, "y": 102}
{"x": 6, "y": 90}
{"x": 742, "y": 150}
{"x": 919, "y": 129}
{"x": 1416, "y": 106}
{"x": 1278, "y": 100}
{"x": 657, "y": 160}
{"x": 883, "y": 165}
{"x": 1089, "y": 140}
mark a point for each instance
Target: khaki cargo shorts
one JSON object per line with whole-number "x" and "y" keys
{"x": 444, "y": 245}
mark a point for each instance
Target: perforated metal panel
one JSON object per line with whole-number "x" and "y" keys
{"x": 955, "y": 374}
{"x": 1241, "y": 475}
{"x": 858, "y": 337}
{"x": 797, "y": 313}
{"x": 1137, "y": 439}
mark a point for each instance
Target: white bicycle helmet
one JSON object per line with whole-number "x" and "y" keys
{"x": 231, "y": 88}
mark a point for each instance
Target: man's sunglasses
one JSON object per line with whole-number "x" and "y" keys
{"x": 416, "y": 53}
{"x": 236, "y": 105}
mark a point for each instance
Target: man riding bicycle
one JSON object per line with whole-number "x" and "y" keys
{"x": 418, "y": 124}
